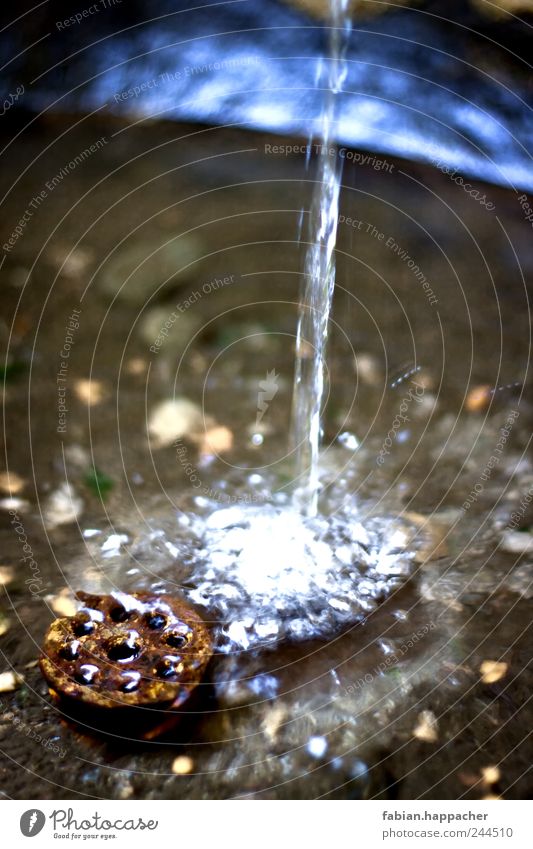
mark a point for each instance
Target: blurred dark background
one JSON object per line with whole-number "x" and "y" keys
{"x": 440, "y": 81}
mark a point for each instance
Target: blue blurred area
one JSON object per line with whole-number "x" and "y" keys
{"x": 417, "y": 87}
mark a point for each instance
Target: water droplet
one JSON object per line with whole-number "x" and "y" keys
{"x": 349, "y": 441}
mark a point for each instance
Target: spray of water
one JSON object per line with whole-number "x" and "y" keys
{"x": 319, "y": 275}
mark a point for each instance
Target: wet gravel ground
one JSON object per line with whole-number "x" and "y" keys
{"x": 166, "y": 264}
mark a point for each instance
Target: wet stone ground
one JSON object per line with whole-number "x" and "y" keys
{"x": 149, "y": 308}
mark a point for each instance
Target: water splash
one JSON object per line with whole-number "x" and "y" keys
{"x": 268, "y": 576}
{"x": 263, "y": 574}
{"x": 319, "y": 275}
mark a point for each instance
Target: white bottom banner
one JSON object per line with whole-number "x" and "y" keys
{"x": 241, "y": 825}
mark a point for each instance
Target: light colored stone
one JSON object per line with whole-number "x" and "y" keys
{"x": 10, "y": 681}
{"x": 11, "y": 483}
{"x": 182, "y": 765}
{"x": 368, "y": 369}
{"x": 216, "y": 440}
{"x": 90, "y": 392}
{"x": 77, "y": 456}
{"x": 427, "y": 727}
{"x": 63, "y": 603}
{"x": 62, "y": 507}
{"x": 136, "y": 366}
{"x": 174, "y": 419}
{"x": 517, "y": 542}
{"x": 491, "y": 774}
{"x": 478, "y": 399}
{"x": 19, "y": 505}
{"x": 492, "y": 671}
{"x": 6, "y": 575}
{"x": 273, "y": 721}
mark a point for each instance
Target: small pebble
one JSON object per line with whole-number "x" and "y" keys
{"x": 77, "y": 456}
{"x": 368, "y": 369}
{"x": 19, "y": 505}
{"x": 492, "y": 671}
{"x": 136, "y": 366}
{"x": 6, "y": 575}
{"x": 63, "y": 603}
{"x": 172, "y": 420}
{"x": 182, "y": 765}
{"x": 90, "y": 392}
{"x": 517, "y": 542}
{"x": 11, "y": 483}
{"x": 216, "y": 440}
{"x": 62, "y": 507}
{"x": 478, "y": 399}
{"x": 427, "y": 727}
{"x": 490, "y": 775}
{"x": 9, "y": 681}
{"x": 273, "y": 721}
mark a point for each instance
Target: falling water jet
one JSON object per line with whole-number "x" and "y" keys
{"x": 267, "y": 571}
{"x": 318, "y": 277}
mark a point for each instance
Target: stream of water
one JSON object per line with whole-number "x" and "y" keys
{"x": 319, "y": 274}
{"x": 277, "y": 568}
